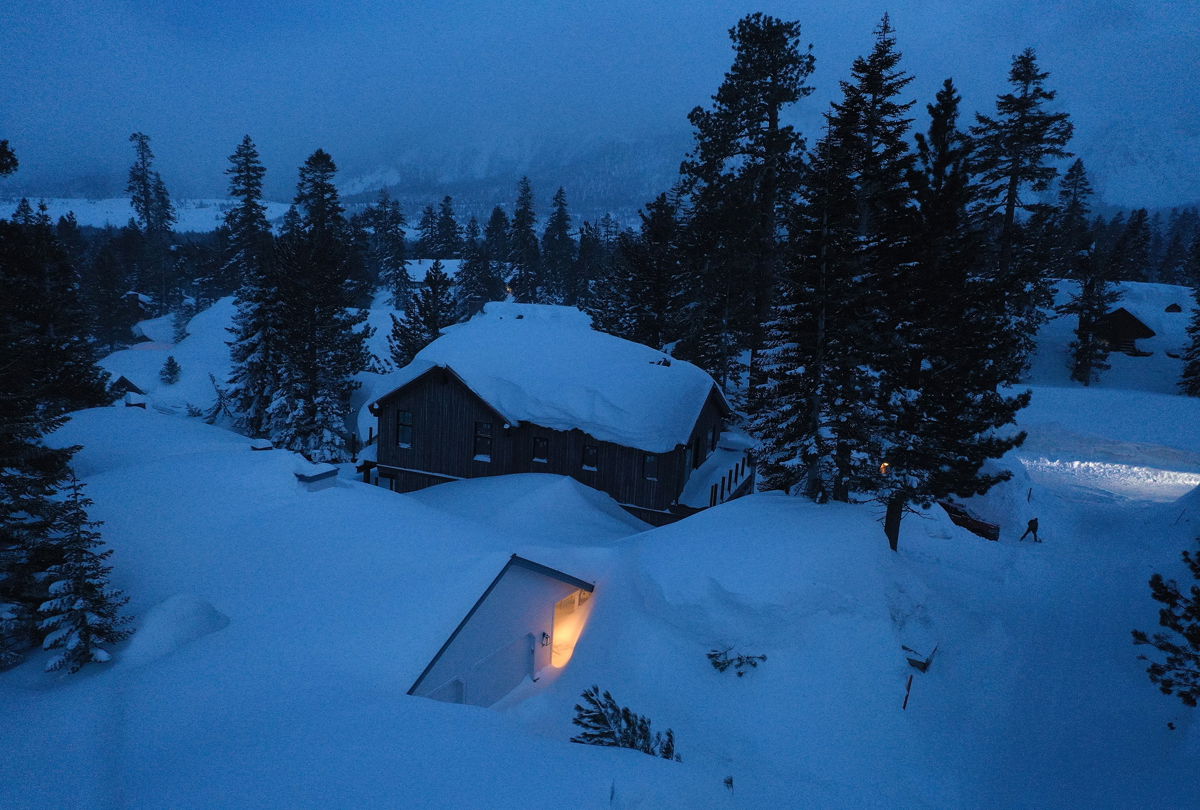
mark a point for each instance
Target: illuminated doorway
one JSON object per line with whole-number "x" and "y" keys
{"x": 570, "y": 615}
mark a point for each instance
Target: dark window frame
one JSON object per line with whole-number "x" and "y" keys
{"x": 650, "y": 467}
{"x": 483, "y": 441}
{"x": 593, "y": 451}
{"x": 404, "y": 429}
{"x": 542, "y": 443}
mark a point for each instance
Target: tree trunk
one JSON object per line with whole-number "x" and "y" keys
{"x": 891, "y": 519}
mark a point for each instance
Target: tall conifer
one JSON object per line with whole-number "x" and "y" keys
{"x": 324, "y": 340}
{"x": 524, "y": 257}
{"x": 255, "y": 348}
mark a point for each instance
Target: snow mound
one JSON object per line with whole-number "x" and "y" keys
{"x": 171, "y": 624}
{"x": 534, "y": 504}
{"x": 119, "y": 437}
{"x": 545, "y": 364}
{"x": 720, "y": 569}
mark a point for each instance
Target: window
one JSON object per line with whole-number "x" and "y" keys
{"x": 591, "y": 456}
{"x": 650, "y": 467}
{"x": 541, "y": 449}
{"x": 404, "y": 430}
{"x": 716, "y": 436}
{"x": 698, "y": 454}
{"x": 483, "y": 441}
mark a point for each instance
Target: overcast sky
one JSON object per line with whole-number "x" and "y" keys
{"x": 372, "y": 81}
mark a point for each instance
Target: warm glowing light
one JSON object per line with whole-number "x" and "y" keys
{"x": 570, "y": 615}
{"x": 884, "y": 467}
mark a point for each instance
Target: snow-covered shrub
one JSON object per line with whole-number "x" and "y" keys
{"x": 722, "y": 660}
{"x": 605, "y": 723}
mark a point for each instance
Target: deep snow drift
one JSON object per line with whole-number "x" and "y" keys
{"x": 278, "y": 629}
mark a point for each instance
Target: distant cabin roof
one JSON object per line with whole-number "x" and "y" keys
{"x": 1123, "y": 324}
{"x": 546, "y": 365}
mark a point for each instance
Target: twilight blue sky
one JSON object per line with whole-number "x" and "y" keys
{"x": 376, "y": 82}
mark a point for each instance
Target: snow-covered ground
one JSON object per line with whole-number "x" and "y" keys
{"x": 279, "y": 628}
{"x": 194, "y": 215}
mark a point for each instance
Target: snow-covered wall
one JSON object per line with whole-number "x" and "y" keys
{"x": 500, "y": 643}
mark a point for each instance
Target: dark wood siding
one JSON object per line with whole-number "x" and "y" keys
{"x": 444, "y": 412}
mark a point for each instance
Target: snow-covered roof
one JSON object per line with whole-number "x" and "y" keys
{"x": 546, "y": 365}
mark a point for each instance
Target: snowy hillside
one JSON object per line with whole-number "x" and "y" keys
{"x": 278, "y": 628}
{"x": 1149, "y": 303}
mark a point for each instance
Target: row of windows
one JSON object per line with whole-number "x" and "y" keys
{"x": 590, "y": 459}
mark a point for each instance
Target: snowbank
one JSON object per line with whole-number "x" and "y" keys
{"x": 170, "y": 625}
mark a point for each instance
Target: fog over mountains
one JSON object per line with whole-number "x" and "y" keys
{"x": 462, "y": 100}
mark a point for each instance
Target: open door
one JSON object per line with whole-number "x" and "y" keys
{"x": 570, "y": 615}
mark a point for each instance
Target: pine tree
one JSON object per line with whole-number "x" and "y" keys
{"x": 739, "y": 181}
{"x": 475, "y": 281}
{"x": 429, "y": 311}
{"x": 1179, "y": 672}
{"x": 447, "y": 233}
{"x": 323, "y": 341}
{"x": 155, "y": 217}
{"x": 254, "y": 350}
{"x": 427, "y": 233}
{"x": 653, "y": 273}
{"x": 942, "y": 381}
{"x": 1094, "y": 296}
{"x": 147, "y": 193}
{"x": 496, "y": 248}
{"x": 1190, "y": 381}
{"x": 1017, "y": 150}
{"x": 558, "y": 255}
{"x": 387, "y": 248}
{"x": 82, "y": 611}
{"x": 607, "y": 296}
{"x": 1182, "y": 228}
{"x": 104, "y": 283}
{"x": 834, "y": 328}
{"x": 181, "y": 317}
{"x": 8, "y": 159}
{"x": 48, "y": 370}
{"x": 524, "y": 258}
{"x": 1130, "y": 257}
{"x": 170, "y": 371}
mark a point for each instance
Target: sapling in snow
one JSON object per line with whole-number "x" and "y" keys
{"x": 170, "y": 371}
{"x": 605, "y": 723}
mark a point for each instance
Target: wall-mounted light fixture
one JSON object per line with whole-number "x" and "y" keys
{"x": 545, "y": 639}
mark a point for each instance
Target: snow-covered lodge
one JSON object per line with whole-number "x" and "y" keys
{"x": 526, "y": 388}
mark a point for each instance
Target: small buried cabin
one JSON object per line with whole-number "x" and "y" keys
{"x": 526, "y": 388}
{"x": 528, "y": 619}
{"x": 1121, "y": 328}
